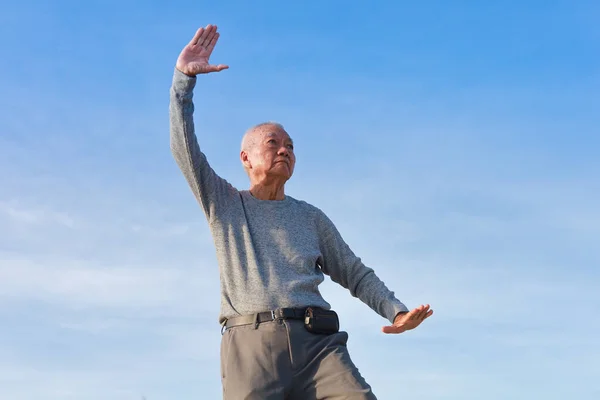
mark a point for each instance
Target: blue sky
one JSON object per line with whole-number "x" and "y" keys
{"x": 454, "y": 144}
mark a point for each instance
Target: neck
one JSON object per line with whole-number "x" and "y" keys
{"x": 268, "y": 192}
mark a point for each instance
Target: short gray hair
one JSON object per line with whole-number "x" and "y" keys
{"x": 253, "y": 128}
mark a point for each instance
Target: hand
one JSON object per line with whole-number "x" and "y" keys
{"x": 410, "y": 320}
{"x": 193, "y": 59}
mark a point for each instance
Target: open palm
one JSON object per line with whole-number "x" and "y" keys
{"x": 194, "y": 58}
{"x": 410, "y": 320}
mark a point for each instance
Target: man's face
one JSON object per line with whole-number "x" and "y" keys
{"x": 269, "y": 153}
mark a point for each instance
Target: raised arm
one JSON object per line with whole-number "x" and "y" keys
{"x": 212, "y": 191}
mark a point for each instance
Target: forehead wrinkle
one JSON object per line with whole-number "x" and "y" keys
{"x": 287, "y": 136}
{"x": 256, "y": 134}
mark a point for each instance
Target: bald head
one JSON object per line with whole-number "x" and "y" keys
{"x": 251, "y": 136}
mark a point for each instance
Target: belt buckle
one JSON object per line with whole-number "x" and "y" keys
{"x": 273, "y": 317}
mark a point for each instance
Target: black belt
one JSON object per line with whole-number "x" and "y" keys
{"x": 267, "y": 316}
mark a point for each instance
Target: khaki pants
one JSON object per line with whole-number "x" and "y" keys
{"x": 280, "y": 360}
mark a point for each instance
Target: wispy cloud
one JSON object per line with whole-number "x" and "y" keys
{"x": 79, "y": 285}
{"x": 33, "y": 216}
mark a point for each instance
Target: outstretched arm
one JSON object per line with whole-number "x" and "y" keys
{"x": 209, "y": 189}
{"x": 346, "y": 269}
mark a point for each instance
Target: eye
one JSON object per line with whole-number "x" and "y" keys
{"x": 271, "y": 141}
{"x": 290, "y": 146}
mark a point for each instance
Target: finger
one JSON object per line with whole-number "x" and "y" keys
{"x": 204, "y": 35}
{"x": 427, "y": 315}
{"x": 392, "y": 329}
{"x": 426, "y": 311}
{"x": 414, "y": 314}
{"x": 213, "y": 42}
{"x": 217, "y": 68}
{"x": 211, "y": 30}
{"x": 197, "y": 36}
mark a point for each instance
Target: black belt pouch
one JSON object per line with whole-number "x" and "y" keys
{"x": 320, "y": 321}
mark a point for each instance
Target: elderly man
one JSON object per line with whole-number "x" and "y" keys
{"x": 281, "y": 340}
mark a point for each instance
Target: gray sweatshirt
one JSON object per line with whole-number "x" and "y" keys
{"x": 271, "y": 253}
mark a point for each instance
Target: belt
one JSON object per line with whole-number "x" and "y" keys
{"x": 267, "y": 316}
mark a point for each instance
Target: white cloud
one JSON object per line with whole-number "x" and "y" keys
{"x": 20, "y": 214}
{"x": 76, "y": 285}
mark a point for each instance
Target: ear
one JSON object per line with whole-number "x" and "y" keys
{"x": 245, "y": 160}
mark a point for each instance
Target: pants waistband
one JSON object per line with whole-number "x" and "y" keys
{"x": 267, "y": 316}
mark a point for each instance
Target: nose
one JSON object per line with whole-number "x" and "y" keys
{"x": 283, "y": 151}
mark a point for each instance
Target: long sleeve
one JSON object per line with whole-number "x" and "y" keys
{"x": 212, "y": 192}
{"x": 345, "y": 268}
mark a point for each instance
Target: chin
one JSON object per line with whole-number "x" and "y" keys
{"x": 285, "y": 177}
{"x": 282, "y": 173}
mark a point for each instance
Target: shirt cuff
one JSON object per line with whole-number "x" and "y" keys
{"x": 393, "y": 309}
{"x": 183, "y": 83}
